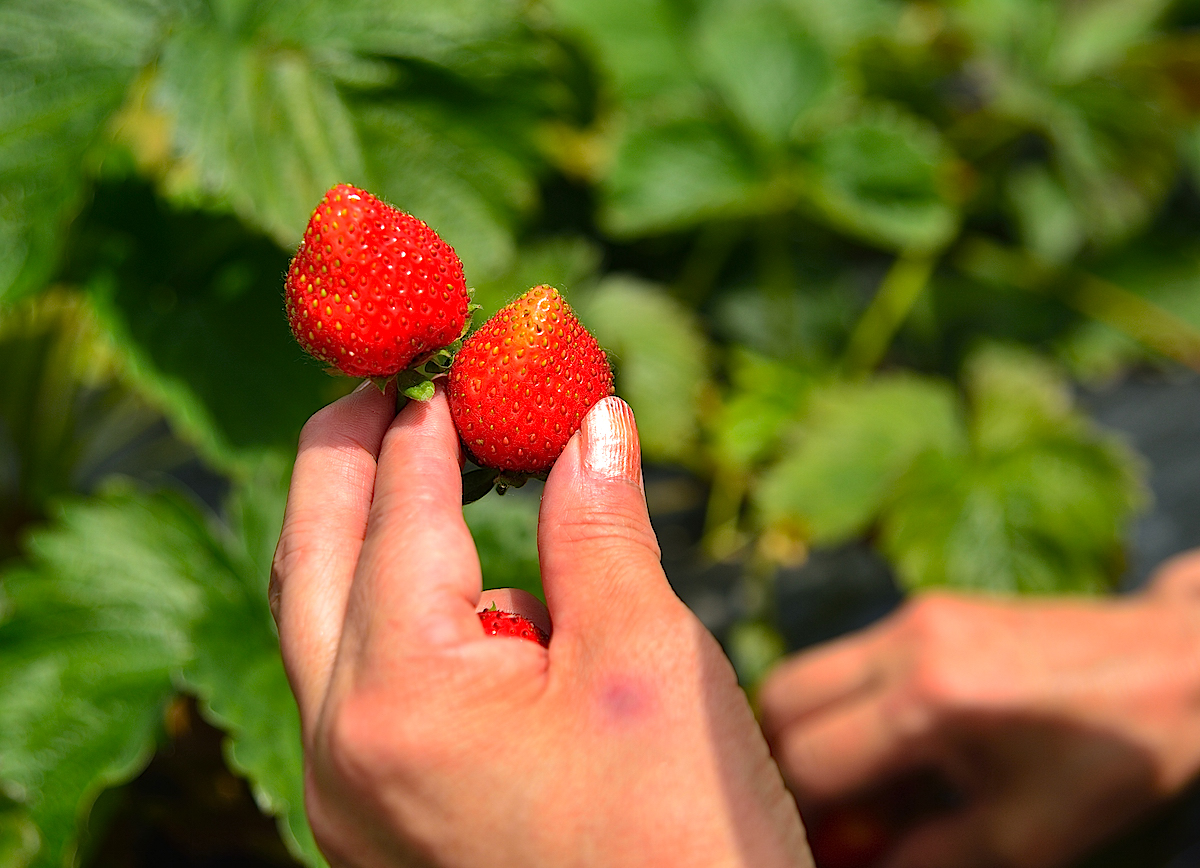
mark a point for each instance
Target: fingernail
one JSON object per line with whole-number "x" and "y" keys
{"x": 362, "y": 386}
{"x": 610, "y": 442}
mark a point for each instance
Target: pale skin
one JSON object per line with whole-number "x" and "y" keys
{"x": 1059, "y": 721}
{"x": 627, "y": 743}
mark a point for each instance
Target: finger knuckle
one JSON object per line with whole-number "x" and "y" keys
{"x": 609, "y": 527}
{"x": 329, "y": 827}
{"x": 363, "y": 745}
{"x": 933, "y": 683}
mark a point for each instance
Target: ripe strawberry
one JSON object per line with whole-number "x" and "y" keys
{"x": 372, "y": 290}
{"x": 498, "y": 623}
{"x": 521, "y": 384}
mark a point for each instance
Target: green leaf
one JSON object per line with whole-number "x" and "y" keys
{"x": 638, "y": 44}
{"x": 1017, "y": 522}
{"x": 883, "y": 177}
{"x": 1097, "y": 36}
{"x": 1016, "y": 397}
{"x": 677, "y": 175}
{"x": 847, "y": 26}
{"x": 505, "y": 532}
{"x": 263, "y": 129}
{"x": 263, "y": 126}
{"x": 1038, "y": 504}
{"x": 769, "y": 69}
{"x": 1063, "y": 76}
{"x": 237, "y": 672}
{"x": 194, "y": 301}
{"x": 421, "y": 391}
{"x": 807, "y": 326}
{"x": 126, "y": 600}
{"x": 568, "y": 263}
{"x": 1114, "y": 151}
{"x": 64, "y": 69}
{"x": 765, "y": 398}
{"x": 660, "y": 355}
{"x": 854, "y": 442}
{"x": 1046, "y": 216}
{"x": 457, "y": 34}
{"x": 93, "y": 628}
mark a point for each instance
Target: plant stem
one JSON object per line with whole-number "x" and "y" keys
{"x": 1146, "y": 322}
{"x": 876, "y": 328}
{"x": 709, "y": 253}
{"x": 777, "y": 277}
{"x": 721, "y": 537}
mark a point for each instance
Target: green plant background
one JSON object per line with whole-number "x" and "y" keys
{"x": 851, "y": 261}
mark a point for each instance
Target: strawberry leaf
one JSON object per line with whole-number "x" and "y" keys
{"x": 94, "y": 626}
{"x": 1039, "y": 503}
{"x": 267, "y": 132}
{"x": 661, "y": 358}
{"x": 677, "y": 174}
{"x": 853, "y": 443}
{"x": 193, "y": 303}
{"x": 764, "y": 401}
{"x": 236, "y": 670}
{"x": 64, "y": 70}
{"x": 770, "y": 69}
{"x": 637, "y": 43}
{"x": 884, "y": 177}
{"x": 125, "y": 600}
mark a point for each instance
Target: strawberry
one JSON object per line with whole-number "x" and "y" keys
{"x": 521, "y": 384}
{"x": 371, "y": 289}
{"x": 498, "y": 623}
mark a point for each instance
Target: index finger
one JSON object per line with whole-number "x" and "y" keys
{"x": 323, "y": 528}
{"x": 812, "y": 681}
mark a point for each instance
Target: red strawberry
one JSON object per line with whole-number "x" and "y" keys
{"x": 521, "y": 384}
{"x": 371, "y": 289}
{"x": 497, "y": 623}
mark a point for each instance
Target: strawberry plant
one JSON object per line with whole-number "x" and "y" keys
{"x": 854, "y": 266}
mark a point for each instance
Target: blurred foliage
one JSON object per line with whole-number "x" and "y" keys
{"x": 850, "y": 261}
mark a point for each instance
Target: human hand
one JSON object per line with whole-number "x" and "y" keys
{"x": 627, "y": 742}
{"x": 1058, "y": 722}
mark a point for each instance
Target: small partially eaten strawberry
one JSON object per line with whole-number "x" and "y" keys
{"x": 521, "y": 384}
{"x": 498, "y": 623}
{"x": 373, "y": 290}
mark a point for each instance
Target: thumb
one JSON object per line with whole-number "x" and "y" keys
{"x": 599, "y": 554}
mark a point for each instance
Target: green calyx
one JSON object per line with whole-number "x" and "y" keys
{"x": 416, "y": 382}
